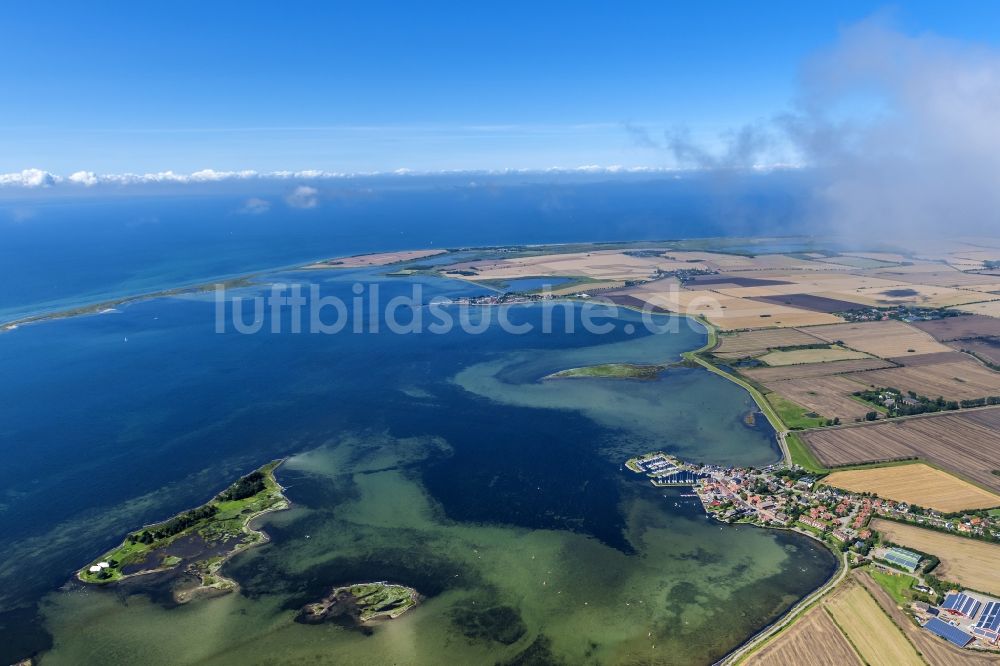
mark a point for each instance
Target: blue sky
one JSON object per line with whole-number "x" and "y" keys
{"x": 140, "y": 87}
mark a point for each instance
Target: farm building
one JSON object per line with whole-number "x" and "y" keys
{"x": 948, "y": 632}
{"x": 960, "y": 603}
{"x": 988, "y": 625}
{"x": 902, "y": 558}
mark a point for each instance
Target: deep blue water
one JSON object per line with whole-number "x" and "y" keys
{"x": 119, "y": 419}
{"x": 57, "y": 252}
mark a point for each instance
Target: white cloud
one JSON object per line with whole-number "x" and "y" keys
{"x": 29, "y": 178}
{"x": 87, "y": 178}
{"x": 38, "y": 178}
{"x": 255, "y": 206}
{"x": 303, "y": 197}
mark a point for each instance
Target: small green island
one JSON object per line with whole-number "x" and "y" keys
{"x": 611, "y": 370}
{"x": 202, "y": 539}
{"x": 361, "y": 603}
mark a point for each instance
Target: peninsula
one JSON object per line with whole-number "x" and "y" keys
{"x": 201, "y": 539}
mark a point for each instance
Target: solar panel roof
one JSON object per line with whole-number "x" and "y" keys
{"x": 948, "y": 632}
{"x": 990, "y": 619}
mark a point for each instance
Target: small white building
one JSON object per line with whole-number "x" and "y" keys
{"x": 94, "y": 569}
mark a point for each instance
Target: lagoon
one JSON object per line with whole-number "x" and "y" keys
{"x": 437, "y": 461}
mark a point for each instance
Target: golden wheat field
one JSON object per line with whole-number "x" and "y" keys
{"x": 871, "y": 632}
{"x": 885, "y": 339}
{"x": 916, "y": 484}
{"x": 803, "y": 356}
{"x": 812, "y": 639}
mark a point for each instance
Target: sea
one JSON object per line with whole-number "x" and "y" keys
{"x": 438, "y": 457}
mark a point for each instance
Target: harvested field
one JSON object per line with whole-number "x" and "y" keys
{"x": 967, "y": 562}
{"x": 961, "y": 327}
{"x": 809, "y": 302}
{"x": 806, "y": 356}
{"x": 877, "y": 638}
{"x": 827, "y": 396}
{"x": 922, "y": 295}
{"x": 935, "y": 650}
{"x": 735, "y": 262}
{"x": 767, "y": 375}
{"x": 991, "y": 309}
{"x": 714, "y": 281}
{"x": 965, "y": 379}
{"x": 933, "y": 274}
{"x": 379, "y": 259}
{"x": 752, "y": 342}
{"x": 885, "y": 339}
{"x": 916, "y": 484}
{"x": 812, "y": 639}
{"x": 965, "y": 443}
{"x": 588, "y": 287}
{"x": 890, "y": 257}
{"x": 726, "y": 312}
{"x": 608, "y": 265}
{"x": 855, "y": 262}
{"x": 918, "y": 360}
{"x": 988, "y": 349}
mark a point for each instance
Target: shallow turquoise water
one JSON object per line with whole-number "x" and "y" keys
{"x": 438, "y": 461}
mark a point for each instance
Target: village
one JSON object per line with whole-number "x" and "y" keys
{"x": 785, "y": 496}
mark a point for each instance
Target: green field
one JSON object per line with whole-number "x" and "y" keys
{"x": 792, "y": 415}
{"x": 225, "y": 516}
{"x": 802, "y": 456}
{"x": 897, "y": 585}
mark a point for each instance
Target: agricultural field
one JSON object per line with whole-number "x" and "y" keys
{"x": 964, "y": 443}
{"x": 990, "y": 309}
{"x": 729, "y": 280}
{"x": 848, "y": 626}
{"x": 808, "y": 302}
{"x": 750, "y": 343}
{"x": 877, "y": 638}
{"x": 920, "y": 295}
{"x": 961, "y": 327}
{"x": 735, "y": 262}
{"x": 610, "y": 265}
{"x": 885, "y": 339}
{"x": 931, "y": 274}
{"x": 766, "y": 375}
{"x": 935, "y": 650}
{"x": 827, "y": 396}
{"x": 804, "y": 356}
{"x": 727, "y": 313}
{"x": 987, "y": 349}
{"x": 931, "y": 359}
{"x": 968, "y": 562}
{"x": 812, "y": 639}
{"x": 917, "y": 484}
{"x": 965, "y": 379}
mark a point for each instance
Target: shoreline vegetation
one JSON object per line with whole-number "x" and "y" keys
{"x": 202, "y": 539}
{"x": 362, "y": 603}
{"x": 611, "y": 370}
